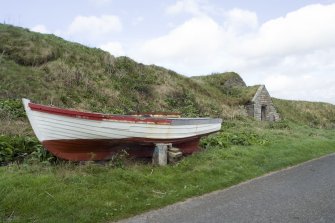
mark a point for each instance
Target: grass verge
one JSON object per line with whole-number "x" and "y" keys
{"x": 96, "y": 193}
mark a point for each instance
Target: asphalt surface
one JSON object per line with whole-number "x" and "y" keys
{"x": 304, "y": 193}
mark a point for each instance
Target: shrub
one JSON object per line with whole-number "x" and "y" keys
{"x": 6, "y": 152}
{"x": 283, "y": 124}
{"x": 227, "y": 139}
{"x": 19, "y": 149}
{"x": 12, "y": 108}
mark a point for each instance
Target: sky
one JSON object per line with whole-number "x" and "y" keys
{"x": 287, "y": 45}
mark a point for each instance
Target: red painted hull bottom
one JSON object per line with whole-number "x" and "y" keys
{"x": 104, "y": 149}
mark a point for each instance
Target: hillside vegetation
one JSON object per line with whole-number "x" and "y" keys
{"x": 50, "y": 70}
{"x": 314, "y": 114}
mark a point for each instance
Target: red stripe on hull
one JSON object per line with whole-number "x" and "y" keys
{"x": 95, "y": 116}
{"x": 104, "y": 149}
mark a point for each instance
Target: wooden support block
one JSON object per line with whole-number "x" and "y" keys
{"x": 174, "y": 149}
{"x": 174, "y": 155}
{"x": 160, "y": 154}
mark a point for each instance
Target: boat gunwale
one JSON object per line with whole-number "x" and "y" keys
{"x": 121, "y": 118}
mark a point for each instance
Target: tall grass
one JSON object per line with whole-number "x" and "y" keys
{"x": 314, "y": 114}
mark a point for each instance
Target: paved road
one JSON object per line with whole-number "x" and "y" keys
{"x": 305, "y": 193}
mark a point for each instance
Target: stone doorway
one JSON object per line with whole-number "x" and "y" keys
{"x": 263, "y": 112}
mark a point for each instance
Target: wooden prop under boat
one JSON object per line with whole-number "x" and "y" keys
{"x": 75, "y": 135}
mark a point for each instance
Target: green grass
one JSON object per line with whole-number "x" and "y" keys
{"x": 95, "y": 193}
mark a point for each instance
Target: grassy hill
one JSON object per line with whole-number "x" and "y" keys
{"x": 50, "y": 70}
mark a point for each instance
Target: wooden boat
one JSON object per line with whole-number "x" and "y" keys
{"x": 75, "y": 135}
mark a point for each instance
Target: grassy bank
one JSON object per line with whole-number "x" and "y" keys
{"x": 96, "y": 193}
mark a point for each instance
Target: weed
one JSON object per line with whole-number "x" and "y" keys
{"x": 118, "y": 160}
{"x": 283, "y": 124}
{"x": 22, "y": 149}
{"x": 12, "y": 108}
{"x": 6, "y": 153}
{"x": 226, "y": 139}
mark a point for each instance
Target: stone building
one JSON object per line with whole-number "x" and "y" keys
{"x": 261, "y": 106}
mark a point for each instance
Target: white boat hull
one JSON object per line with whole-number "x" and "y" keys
{"x": 80, "y": 136}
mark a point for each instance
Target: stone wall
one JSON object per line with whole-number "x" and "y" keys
{"x": 250, "y": 109}
{"x": 261, "y": 99}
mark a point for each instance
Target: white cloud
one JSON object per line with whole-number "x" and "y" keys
{"x": 114, "y": 48}
{"x": 239, "y": 21}
{"x": 282, "y": 52}
{"x": 137, "y": 20}
{"x": 309, "y": 28}
{"x": 184, "y": 6}
{"x": 100, "y": 2}
{"x": 93, "y": 28}
{"x": 93, "y": 25}
{"x": 278, "y": 82}
{"x": 304, "y": 87}
{"x": 40, "y": 29}
{"x": 186, "y": 45}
